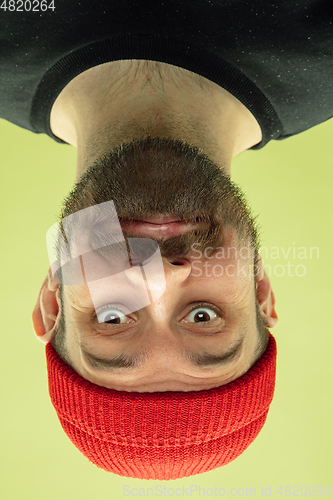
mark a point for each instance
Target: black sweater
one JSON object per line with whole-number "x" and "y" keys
{"x": 276, "y": 57}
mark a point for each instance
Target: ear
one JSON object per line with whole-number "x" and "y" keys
{"x": 265, "y": 296}
{"x": 46, "y": 311}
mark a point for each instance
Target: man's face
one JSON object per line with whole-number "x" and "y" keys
{"x": 202, "y": 332}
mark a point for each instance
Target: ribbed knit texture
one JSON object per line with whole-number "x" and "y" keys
{"x": 162, "y": 435}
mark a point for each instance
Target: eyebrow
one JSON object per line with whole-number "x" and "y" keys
{"x": 129, "y": 362}
{"x": 121, "y": 361}
{"x": 207, "y": 359}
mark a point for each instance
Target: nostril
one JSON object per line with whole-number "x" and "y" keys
{"x": 177, "y": 262}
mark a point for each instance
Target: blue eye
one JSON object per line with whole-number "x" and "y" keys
{"x": 109, "y": 314}
{"x": 200, "y": 315}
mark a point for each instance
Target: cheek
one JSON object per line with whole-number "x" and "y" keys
{"x": 76, "y": 296}
{"x": 234, "y": 277}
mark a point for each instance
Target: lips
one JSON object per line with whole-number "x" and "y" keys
{"x": 161, "y": 219}
{"x": 155, "y": 230}
{"x": 158, "y": 226}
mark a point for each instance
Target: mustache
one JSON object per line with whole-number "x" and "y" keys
{"x": 100, "y": 232}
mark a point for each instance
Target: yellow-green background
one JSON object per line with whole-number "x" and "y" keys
{"x": 289, "y": 184}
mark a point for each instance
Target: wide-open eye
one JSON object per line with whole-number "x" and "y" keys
{"x": 201, "y": 314}
{"x": 111, "y": 315}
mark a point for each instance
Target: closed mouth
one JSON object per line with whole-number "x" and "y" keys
{"x": 157, "y": 228}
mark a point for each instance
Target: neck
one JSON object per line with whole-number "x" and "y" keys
{"x": 116, "y": 102}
